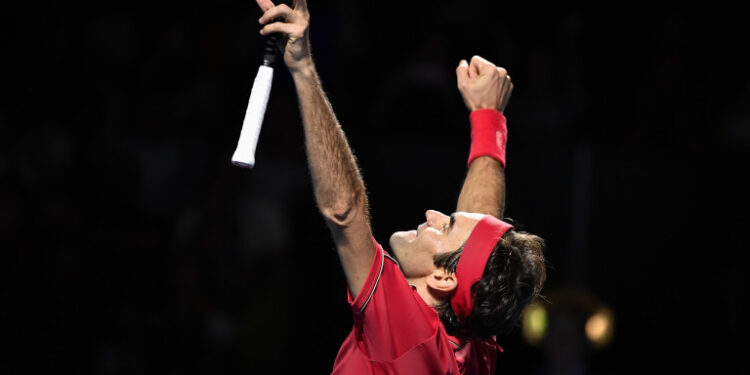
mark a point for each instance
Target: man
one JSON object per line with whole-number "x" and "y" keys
{"x": 459, "y": 280}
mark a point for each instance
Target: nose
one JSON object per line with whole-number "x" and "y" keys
{"x": 433, "y": 217}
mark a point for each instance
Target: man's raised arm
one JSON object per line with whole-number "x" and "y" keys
{"x": 339, "y": 190}
{"x": 486, "y": 90}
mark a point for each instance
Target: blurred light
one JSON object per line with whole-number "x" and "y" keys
{"x": 600, "y": 327}
{"x": 535, "y": 322}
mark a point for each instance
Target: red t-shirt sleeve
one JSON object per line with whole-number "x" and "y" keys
{"x": 373, "y": 277}
{"x": 390, "y": 318}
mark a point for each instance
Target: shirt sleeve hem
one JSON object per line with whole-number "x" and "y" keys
{"x": 359, "y": 303}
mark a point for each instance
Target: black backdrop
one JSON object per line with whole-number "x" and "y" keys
{"x": 131, "y": 245}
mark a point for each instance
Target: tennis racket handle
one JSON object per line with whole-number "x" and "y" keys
{"x": 244, "y": 155}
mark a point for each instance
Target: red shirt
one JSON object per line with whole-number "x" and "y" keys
{"x": 396, "y": 332}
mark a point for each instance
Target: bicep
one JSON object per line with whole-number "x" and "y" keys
{"x": 353, "y": 239}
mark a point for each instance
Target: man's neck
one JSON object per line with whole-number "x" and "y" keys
{"x": 424, "y": 291}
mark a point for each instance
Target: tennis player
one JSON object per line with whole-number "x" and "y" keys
{"x": 457, "y": 281}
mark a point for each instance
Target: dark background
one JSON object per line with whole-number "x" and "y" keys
{"x": 131, "y": 245}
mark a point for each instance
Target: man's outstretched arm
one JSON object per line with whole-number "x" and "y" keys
{"x": 339, "y": 190}
{"x": 484, "y": 188}
{"x": 483, "y": 86}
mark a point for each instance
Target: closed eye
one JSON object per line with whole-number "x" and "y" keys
{"x": 450, "y": 226}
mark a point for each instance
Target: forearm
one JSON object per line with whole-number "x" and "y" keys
{"x": 486, "y": 90}
{"x": 484, "y": 188}
{"x": 338, "y": 186}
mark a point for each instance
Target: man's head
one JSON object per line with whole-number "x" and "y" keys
{"x": 416, "y": 249}
{"x": 512, "y": 277}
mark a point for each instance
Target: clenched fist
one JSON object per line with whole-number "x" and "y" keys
{"x": 483, "y": 85}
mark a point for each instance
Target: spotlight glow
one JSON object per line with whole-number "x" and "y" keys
{"x": 600, "y": 327}
{"x": 535, "y": 322}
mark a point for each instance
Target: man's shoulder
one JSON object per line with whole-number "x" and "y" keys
{"x": 391, "y": 258}
{"x": 389, "y": 261}
{"x": 387, "y": 287}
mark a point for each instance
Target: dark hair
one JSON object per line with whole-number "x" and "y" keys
{"x": 513, "y": 277}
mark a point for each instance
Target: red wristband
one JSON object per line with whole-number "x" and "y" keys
{"x": 489, "y": 135}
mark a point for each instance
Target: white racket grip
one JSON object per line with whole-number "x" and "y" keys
{"x": 244, "y": 155}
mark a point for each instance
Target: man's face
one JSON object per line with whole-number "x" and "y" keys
{"x": 416, "y": 249}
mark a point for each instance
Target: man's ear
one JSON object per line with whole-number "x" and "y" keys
{"x": 442, "y": 281}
